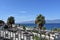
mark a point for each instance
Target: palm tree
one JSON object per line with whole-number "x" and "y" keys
{"x": 11, "y": 21}
{"x": 40, "y": 21}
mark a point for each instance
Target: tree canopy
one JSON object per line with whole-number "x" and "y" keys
{"x": 11, "y": 20}
{"x": 1, "y": 21}
{"x": 40, "y": 21}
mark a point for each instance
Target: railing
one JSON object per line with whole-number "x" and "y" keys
{"x": 19, "y": 35}
{"x": 14, "y": 35}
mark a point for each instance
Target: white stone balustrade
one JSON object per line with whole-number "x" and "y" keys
{"x": 14, "y": 35}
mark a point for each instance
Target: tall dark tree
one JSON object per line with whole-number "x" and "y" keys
{"x": 40, "y": 21}
{"x": 11, "y": 21}
{"x": 1, "y": 22}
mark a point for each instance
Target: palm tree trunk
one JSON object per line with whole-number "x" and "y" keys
{"x": 40, "y": 34}
{"x": 45, "y": 36}
{"x": 49, "y": 37}
{"x": 11, "y": 25}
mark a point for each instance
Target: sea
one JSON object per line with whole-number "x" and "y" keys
{"x": 48, "y": 26}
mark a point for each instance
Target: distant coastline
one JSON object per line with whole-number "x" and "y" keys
{"x": 48, "y": 26}
{"x": 47, "y": 21}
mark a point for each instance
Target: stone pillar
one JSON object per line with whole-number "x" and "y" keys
{"x": 56, "y": 36}
{"x": 11, "y": 38}
{"x": 9, "y": 35}
{"x": 31, "y": 37}
{"x": 14, "y": 36}
{"x": 2, "y": 32}
{"x": 22, "y": 35}
{"x": 26, "y": 36}
{"x": 6, "y": 34}
{"x": 19, "y": 38}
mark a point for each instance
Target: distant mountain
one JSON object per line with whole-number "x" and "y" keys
{"x": 53, "y": 21}
{"x": 28, "y": 22}
{"x": 47, "y": 21}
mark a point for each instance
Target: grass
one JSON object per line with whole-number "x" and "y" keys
{"x": 36, "y": 38}
{"x": 56, "y": 29}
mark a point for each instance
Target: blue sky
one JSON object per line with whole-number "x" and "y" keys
{"x": 26, "y": 10}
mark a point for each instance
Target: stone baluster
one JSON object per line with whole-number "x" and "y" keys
{"x": 14, "y": 36}
{"x": 26, "y": 36}
{"x": 2, "y": 32}
{"x": 19, "y": 36}
{"x": 6, "y": 34}
{"x": 31, "y": 37}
